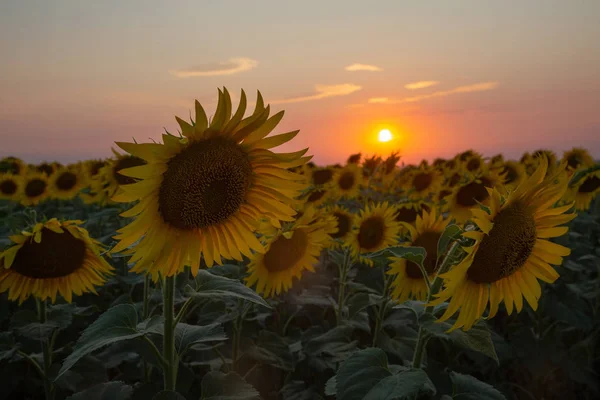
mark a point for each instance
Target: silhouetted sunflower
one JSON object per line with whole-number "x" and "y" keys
{"x": 202, "y": 194}
{"x": 55, "y": 257}
{"x": 510, "y": 253}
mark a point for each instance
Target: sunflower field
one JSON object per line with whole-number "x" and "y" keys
{"x": 211, "y": 266}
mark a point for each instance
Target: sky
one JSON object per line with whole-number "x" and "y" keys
{"x": 442, "y": 76}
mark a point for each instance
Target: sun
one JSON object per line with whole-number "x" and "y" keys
{"x": 385, "y": 135}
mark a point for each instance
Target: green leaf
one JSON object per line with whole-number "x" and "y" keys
{"x": 187, "y": 335}
{"x": 360, "y": 373}
{"x": 26, "y": 323}
{"x": 450, "y": 234}
{"x": 117, "y": 324}
{"x": 273, "y": 350}
{"x": 116, "y": 390}
{"x": 478, "y": 338}
{"x": 219, "y": 386}
{"x": 218, "y": 287}
{"x": 467, "y": 387}
{"x": 8, "y": 347}
{"x": 404, "y": 384}
{"x": 360, "y": 301}
{"x": 168, "y": 395}
{"x": 414, "y": 254}
{"x": 331, "y": 386}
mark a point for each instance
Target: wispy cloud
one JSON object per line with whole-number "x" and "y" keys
{"x": 382, "y": 100}
{"x": 363, "y": 67}
{"x": 322, "y": 92}
{"x": 420, "y": 85}
{"x": 229, "y": 67}
{"x": 476, "y": 87}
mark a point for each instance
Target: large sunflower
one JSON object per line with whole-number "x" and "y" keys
{"x": 584, "y": 191}
{"x": 409, "y": 282}
{"x": 65, "y": 183}
{"x": 577, "y": 158}
{"x": 375, "y": 228}
{"x": 291, "y": 252}
{"x": 10, "y": 186}
{"x": 202, "y": 194}
{"x": 511, "y": 251}
{"x": 55, "y": 257}
{"x": 34, "y": 189}
{"x": 347, "y": 181}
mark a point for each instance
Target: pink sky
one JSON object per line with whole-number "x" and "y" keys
{"x": 443, "y": 77}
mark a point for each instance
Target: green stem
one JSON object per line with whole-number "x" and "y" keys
{"x": 343, "y": 274}
{"x": 435, "y": 287}
{"x": 34, "y": 363}
{"x": 387, "y": 279}
{"x": 183, "y": 310}
{"x": 169, "y": 333}
{"x": 47, "y": 352}
{"x": 145, "y": 315}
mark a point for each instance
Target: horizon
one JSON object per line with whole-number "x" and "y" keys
{"x": 497, "y": 78}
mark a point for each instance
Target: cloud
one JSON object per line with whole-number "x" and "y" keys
{"x": 229, "y": 67}
{"x": 476, "y": 87}
{"x": 420, "y": 85}
{"x": 322, "y": 92}
{"x": 383, "y": 100}
{"x": 363, "y": 67}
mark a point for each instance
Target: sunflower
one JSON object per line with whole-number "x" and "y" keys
{"x": 202, "y": 194}
{"x": 511, "y": 251}
{"x": 409, "y": 282}
{"x": 13, "y": 165}
{"x": 425, "y": 181}
{"x": 370, "y": 165}
{"x": 321, "y": 176}
{"x": 514, "y": 173}
{"x": 55, "y": 257}
{"x": 46, "y": 168}
{"x": 34, "y": 189}
{"x": 9, "y": 186}
{"x": 291, "y": 252}
{"x": 538, "y": 155}
{"x": 467, "y": 196}
{"x": 318, "y": 196}
{"x": 354, "y": 158}
{"x": 344, "y": 223}
{"x": 496, "y": 161}
{"x": 375, "y": 228}
{"x": 577, "y": 158}
{"x": 347, "y": 181}
{"x": 474, "y": 164}
{"x": 408, "y": 212}
{"x": 584, "y": 191}
{"x": 92, "y": 168}
{"x": 65, "y": 183}
{"x": 110, "y": 179}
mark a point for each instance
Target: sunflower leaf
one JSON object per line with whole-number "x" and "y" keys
{"x": 403, "y": 385}
{"x": 219, "y": 287}
{"x": 117, "y": 324}
{"x": 470, "y": 388}
{"x": 26, "y": 323}
{"x": 410, "y": 253}
{"x": 219, "y": 386}
{"x": 116, "y": 390}
{"x": 187, "y": 335}
{"x": 450, "y": 234}
{"x": 167, "y": 395}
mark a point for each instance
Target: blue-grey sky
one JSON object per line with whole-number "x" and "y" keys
{"x": 507, "y": 77}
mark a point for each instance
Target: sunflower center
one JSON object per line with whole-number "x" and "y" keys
{"x": 8, "y": 187}
{"x": 422, "y": 181}
{"x": 371, "y": 233}
{"x": 66, "y": 181}
{"x": 284, "y": 253}
{"x": 204, "y": 184}
{"x": 315, "y": 195}
{"x": 405, "y": 214}
{"x": 507, "y": 247}
{"x": 343, "y": 225}
{"x": 35, "y": 187}
{"x": 429, "y": 241}
{"x": 471, "y": 193}
{"x": 511, "y": 174}
{"x": 574, "y": 161}
{"x": 454, "y": 179}
{"x": 126, "y": 162}
{"x": 346, "y": 180}
{"x": 589, "y": 185}
{"x": 322, "y": 176}
{"x": 46, "y": 169}
{"x": 444, "y": 193}
{"x": 96, "y": 166}
{"x": 57, "y": 255}
{"x": 473, "y": 164}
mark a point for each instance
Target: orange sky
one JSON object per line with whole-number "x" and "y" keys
{"x": 443, "y": 77}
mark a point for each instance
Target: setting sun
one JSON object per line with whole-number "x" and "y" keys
{"x": 385, "y": 135}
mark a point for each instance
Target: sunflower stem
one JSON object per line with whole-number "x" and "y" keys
{"x": 46, "y": 350}
{"x": 343, "y": 273}
{"x": 169, "y": 333}
{"x": 435, "y": 287}
{"x": 387, "y": 284}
